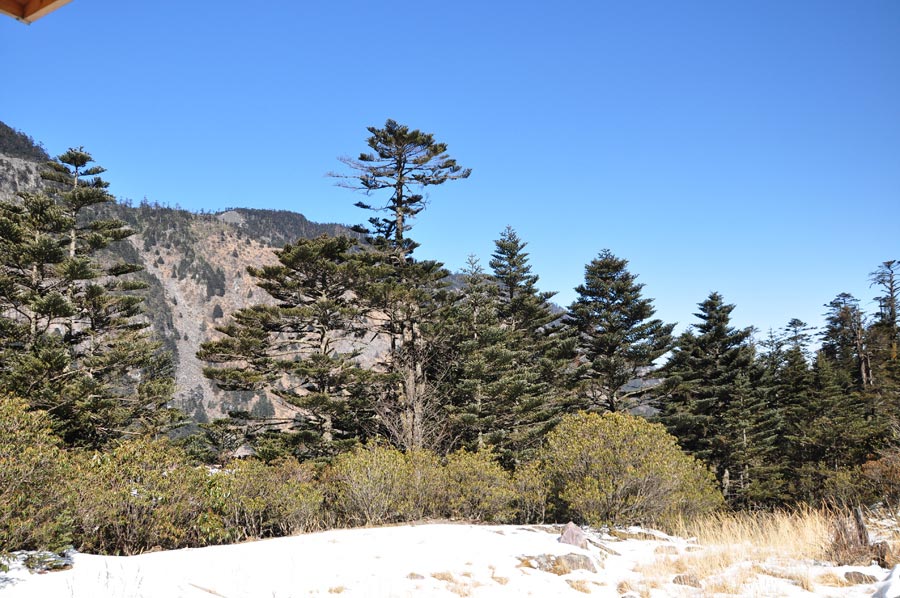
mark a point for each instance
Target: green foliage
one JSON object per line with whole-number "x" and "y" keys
{"x": 303, "y": 349}
{"x": 32, "y": 470}
{"x": 617, "y": 338}
{"x": 255, "y": 500}
{"x": 706, "y": 399}
{"x": 510, "y": 357}
{"x": 620, "y": 469}
{"x": 478, "y": 487}
{"x": 70, "y": 333}
{"x": 143, "y": 494}
{"x": 367, "y": 486}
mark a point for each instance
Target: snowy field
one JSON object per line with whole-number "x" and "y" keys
{"x": 439, "y": 559}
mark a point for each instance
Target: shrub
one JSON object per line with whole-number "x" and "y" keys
{"x": 618, "y": 469}
{"x": 140, "y": 496}
{"x": 532, "y": 490}
{"x": 367, "y": 486}
{"x": 423, "y": 481}
{"x": 32, "y": 471}
{"x": 478, "y": 487}
{"x": 255, "y": 500}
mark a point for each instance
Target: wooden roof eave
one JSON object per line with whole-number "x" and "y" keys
{"x": 28, "y": 11}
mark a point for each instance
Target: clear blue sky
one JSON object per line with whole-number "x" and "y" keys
{"x": 752, "y": 148}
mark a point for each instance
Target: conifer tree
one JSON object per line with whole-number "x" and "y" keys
{"x": 404, "y": 297}
{"x": 617, "y": 339}
{"x": 303, "y": 349}
{"x": 706, "y": 401}
{"x": 509, "y": 360}
{"x": 71, "y": 338}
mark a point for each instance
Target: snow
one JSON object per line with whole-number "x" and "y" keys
{"x": 434, "y": 559}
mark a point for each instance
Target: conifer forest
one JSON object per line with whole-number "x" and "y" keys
{"x": 405, "y": 391}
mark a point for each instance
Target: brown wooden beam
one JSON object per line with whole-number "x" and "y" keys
{"x": 13, "y": 8}
{"x": 29, "y": 11}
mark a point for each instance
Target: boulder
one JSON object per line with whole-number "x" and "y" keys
{"x": 572, "y": 534}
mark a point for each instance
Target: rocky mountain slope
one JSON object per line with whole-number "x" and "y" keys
{"x": 195, "y": 266}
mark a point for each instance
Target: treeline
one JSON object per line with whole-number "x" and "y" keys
{"x": 471, "y": 392}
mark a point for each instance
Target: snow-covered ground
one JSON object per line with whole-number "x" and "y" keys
{"x": 437, "y": 559}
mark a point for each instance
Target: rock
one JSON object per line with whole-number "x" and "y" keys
{"x": 687, "y": 579}
{"x": 858, "y": 577}
{"x": 572, "y": 534}
{"x": 884, "y": 556}
{"x": 560, "y": 564}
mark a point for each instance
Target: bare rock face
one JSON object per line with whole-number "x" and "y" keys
{"x": 572, "y": 534}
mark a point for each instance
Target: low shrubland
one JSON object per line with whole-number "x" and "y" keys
{"x": 145, "y": 494}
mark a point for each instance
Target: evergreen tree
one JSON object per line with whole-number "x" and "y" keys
{"x": 844, "y": 341}
{"x": 71, "y": 336}
{"x": 509, "y": 360}
{"x": 404, "y": 298}
{"x": 617, "y": 339}
{"x": 706, "y": 400}
{"x": 303, "y": 349}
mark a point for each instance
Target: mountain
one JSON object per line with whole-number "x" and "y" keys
{"x": 195, "y": 266}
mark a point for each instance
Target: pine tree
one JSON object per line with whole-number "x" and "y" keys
{"x": 304, "y": 348}
{"x": 617, "y": 339}
{"x": 71, "y": 336}
{"x": 404, "y": 298}
{"x": 509, "y": 356}
{"x": 706, "y": 400}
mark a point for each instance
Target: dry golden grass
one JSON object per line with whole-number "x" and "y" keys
{"x": 796, "y": 535}
{"x": 579, "y": 585}
{"x": 800, "y": 578}
{"x": 727, "y": 539}
{"x": 336, "y": 590}
{"x": 832, "y": 579}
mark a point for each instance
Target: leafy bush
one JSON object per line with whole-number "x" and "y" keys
{"x": 367, "y": 486}
{"x": 423, "y": 481}
{"x": 255, "y": 500}
{"x": 141, "y": 495}
{"x": 618, "y": 469}
{"x": 32, "y": 472}
{"x": 478, "y": 487}
{"x": 532, "y": 490}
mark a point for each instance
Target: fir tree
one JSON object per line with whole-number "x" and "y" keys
{"x": 617, "y": 339}
{"x": 706, "y": 400}
{"x": 71, "y": 335}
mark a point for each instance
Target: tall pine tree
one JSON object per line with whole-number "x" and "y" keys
{"x": 404, "y": 297}
{"x": 706, "y": 400}
{"x": 617, "y": 336}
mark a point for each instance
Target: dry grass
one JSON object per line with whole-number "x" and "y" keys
{"x": 336, "y": 590}
{"x": 796, "y": 535}
{"x": 833, "y": 580}
{"x": 579, "y": 585}
{"x": 728, "y": 539}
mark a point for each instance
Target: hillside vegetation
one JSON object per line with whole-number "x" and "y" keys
{"x": 145, "y": 349}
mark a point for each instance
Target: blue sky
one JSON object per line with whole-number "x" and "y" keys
{"x": 751, "y": 148}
